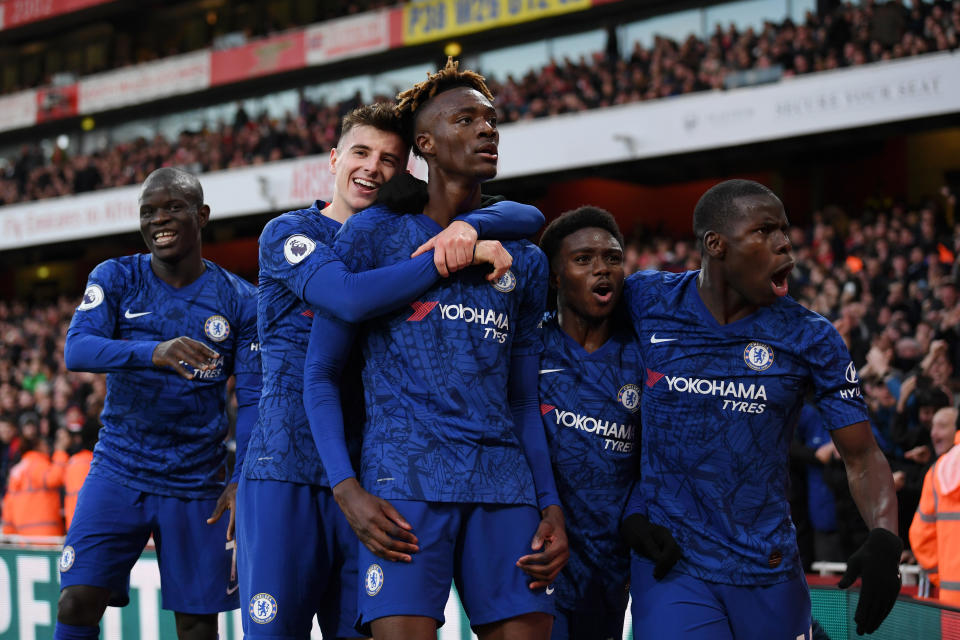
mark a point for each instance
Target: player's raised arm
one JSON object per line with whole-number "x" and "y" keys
{"x": 378, "y": 525}
{"x": 320, "y": 278}
{"x": 317, "y": 275}
{"x": 456, "y": 246}
{"x": 504, "y": 220}
{"x": 355, "y": 297}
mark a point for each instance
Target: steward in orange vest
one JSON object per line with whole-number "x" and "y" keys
{"x": 76, "y": 472}
{"x": 31, "y": 506}
{"x": 935, "y": 532}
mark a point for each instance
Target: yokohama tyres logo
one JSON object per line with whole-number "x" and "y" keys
{"x": 421, "y": 310}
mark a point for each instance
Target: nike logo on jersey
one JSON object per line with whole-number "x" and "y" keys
{"x": 543, "y": 371}
{"x": 131, "y": 316}
{"x": 549, "y": 590}
{"x": 655, "y": 340}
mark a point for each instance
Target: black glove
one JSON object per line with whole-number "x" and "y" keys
{"x": 403, "y": 193}
{"x": 651, "y": 541}
{"x": 877, "y": 561}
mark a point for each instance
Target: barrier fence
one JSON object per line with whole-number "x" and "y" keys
{"x": 29, "y": 587}
{"x": 910, "y": 619}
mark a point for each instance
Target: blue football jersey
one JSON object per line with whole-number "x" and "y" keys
{"x": 163, "y": 433}
{"x": 435, "y": 376}
{"x": 292, "y": 246}
{"x": 590, "y": 403}
{"x": 719, "y": 407}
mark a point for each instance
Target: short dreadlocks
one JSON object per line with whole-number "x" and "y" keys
{"x": 410, "y": 102}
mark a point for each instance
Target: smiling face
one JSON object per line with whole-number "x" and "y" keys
{"x": 943, "y": 428}
{"x": 756, "y": 250}
{"x": 588, "y": 273}
{"x": 365, "y": 158}
{"x": 170, "y": 220}
{"x": 457, "y": 134}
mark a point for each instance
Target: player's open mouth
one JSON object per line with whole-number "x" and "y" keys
{"x": 488, "y": 151}
{"x": 779, "y": 279}
{"x": 164, "y": 238}
{"x": 366, "y": 186}
{"x": 603, "y": 292}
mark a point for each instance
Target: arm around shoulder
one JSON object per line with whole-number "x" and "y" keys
{"x": 505, "y": 220}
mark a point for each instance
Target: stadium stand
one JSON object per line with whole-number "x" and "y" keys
{"x": 851, "y": 36}
{"x": 132, "y": 37}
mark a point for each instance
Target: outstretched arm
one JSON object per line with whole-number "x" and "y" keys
{"x": 354, "y": 297}
{"x": 87, "y": 349}
{"x": 378, "y": 525}
{"x": 505, "y": 220}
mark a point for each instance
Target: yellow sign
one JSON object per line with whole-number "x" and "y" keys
{"x": 427, "y": 20}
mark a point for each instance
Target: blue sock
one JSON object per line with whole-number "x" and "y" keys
{"x": 73, "y": 632}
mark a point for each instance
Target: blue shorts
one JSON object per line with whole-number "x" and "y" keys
{"x": 681, "y": 606}
{"x": 297, "y": 557}
{"x": 588, "y": 625}
{"x": 113, "y": 523}
{"x": 474, "y": 545}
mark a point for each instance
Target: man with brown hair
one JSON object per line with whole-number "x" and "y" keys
{"x": 296, "y": 553}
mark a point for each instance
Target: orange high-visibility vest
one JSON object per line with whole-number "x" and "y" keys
{"x": 32, "y": 504}
{"x": 78, "y": 466}
{"x": 935, "y": 531}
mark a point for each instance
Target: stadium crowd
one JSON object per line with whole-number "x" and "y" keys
{"x": 136, "y": 39}
{"x": 887, "y": 278}
{"x": 852, "y": 35}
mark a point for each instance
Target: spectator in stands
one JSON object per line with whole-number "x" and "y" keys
{"x": 915, "y": 409}
{"x": 9, "y": 450}
{"x": 82, "y": 440}
{"x": 943, "y": 428}
{"x": 935, "y": 532}
{"x": 821, "y": 505}
{"x": 852, "y": 35}
{"x": 31, "y": 506}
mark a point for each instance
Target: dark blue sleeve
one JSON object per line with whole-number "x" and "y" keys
{"x": 248, "y": 398}
{"x": 505, "y": 220}
{"x": 85, "y": 351}
{"x": 525, "y": 406}
{"x": 635, "y": 503}
{"x": 528, "y": 339}
{"x": 354, "y": 297}
{"x": 90, "y": 345}
{"x": 248, "y": 373}
{"x": 327, "y": 355}
{"x": 835, "y": 381}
